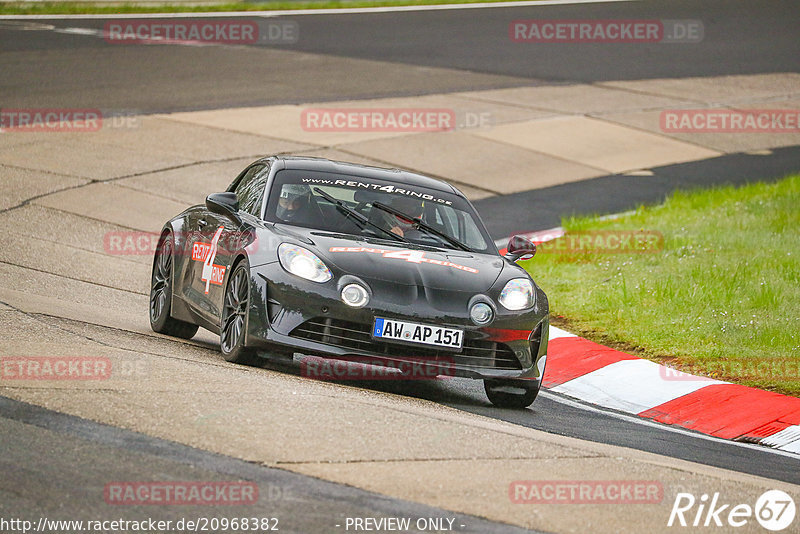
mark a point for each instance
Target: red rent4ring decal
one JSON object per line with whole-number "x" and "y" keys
{"x": 413, "y": 256}
{"x": 207, "y": 253}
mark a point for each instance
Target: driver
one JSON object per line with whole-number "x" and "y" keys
{"x": 293, "y": 203}
{"x": 407, "y": 205}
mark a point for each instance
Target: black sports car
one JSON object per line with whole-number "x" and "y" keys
{"x": 347, "y": 262}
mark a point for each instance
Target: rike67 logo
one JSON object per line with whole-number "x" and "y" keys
{"x": 774, "y": 510}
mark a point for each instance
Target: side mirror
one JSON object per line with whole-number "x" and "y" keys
{"x": 224, "y": 204}
{"x": 519, "y": 247}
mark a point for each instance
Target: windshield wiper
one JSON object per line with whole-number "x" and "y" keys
{"x": 348, "y": 212}
{"x": 420, "y": 225}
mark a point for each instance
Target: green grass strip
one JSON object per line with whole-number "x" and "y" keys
{"x": 722, "y": 299}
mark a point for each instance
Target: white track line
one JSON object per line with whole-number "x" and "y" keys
{"x": 300, "y": 12}
{"x": 645, "y": 422}
{"x": 786, "y": 439}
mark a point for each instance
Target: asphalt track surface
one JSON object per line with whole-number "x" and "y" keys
{"x": 554, "y": 413}
{"x": 91, "y": 453}
{"x": 46, "y": 68}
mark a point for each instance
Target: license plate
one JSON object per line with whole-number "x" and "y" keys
{"x": 424, "y": 334}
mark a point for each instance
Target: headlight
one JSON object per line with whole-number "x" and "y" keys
{"x": 517, "y": 295}
{"x": 481, "y": 313}
{"x": 303, "y": 263}
{"x": 355, "y": 295}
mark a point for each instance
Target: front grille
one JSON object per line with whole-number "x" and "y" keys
{"x": 476, "y": 353}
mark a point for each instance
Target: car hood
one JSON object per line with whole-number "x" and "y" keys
{"x": 411, "y": 265}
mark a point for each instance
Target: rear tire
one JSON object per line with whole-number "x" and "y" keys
{"x": 161, "y": 293}
{"x": 233, "y": 326}
{"x": 510, "y": 393}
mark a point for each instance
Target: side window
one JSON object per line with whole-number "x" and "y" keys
{"x": 470, "y": 234}
{"x": 447, "y": 219}
{"x": 259, "y": 184}
{"x": 250, "y": 189}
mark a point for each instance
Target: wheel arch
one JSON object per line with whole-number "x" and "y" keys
{"x": 178, "y": 307}
{"x": 253, "y": 291}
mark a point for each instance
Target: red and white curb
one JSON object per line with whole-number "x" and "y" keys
{"x": 606, "y": 377}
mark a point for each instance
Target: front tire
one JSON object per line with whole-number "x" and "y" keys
{"x": 161, "y": 293}
{"x": 510, "y": 393}
{"x": 235, "y": 308}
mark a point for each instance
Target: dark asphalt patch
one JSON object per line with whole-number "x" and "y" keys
{"x": 540, "y": 209}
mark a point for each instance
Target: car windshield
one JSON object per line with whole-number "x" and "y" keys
{"x": 346, "y": 204}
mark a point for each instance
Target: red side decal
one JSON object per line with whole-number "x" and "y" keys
{"x": 207, "y": 253}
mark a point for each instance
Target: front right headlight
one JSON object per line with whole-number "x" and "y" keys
{"x": 303, "y": 263}
{"x": 517, "y": 294}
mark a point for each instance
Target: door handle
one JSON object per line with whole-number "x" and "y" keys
{"x": 201, "y": 223}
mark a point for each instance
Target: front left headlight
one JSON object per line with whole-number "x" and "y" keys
{"x": 517, "y": 294}
{"x": 303, "y": 263}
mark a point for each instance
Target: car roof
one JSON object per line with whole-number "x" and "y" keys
{"x": 364, "y": 171}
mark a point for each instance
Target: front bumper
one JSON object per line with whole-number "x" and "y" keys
{"x": 310, "y": 318}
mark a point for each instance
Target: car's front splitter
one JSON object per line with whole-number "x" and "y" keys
{"x": 296, "y": 315}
